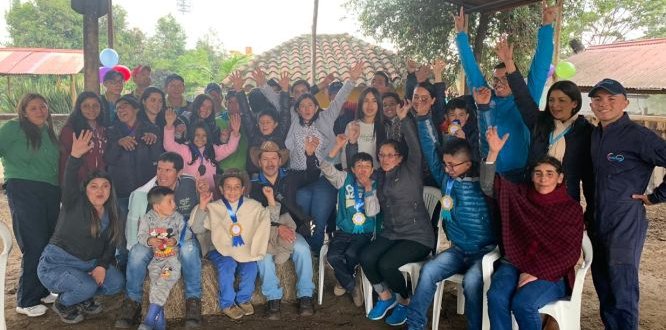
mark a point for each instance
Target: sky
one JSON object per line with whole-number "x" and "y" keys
{"x": 260, "y": 24}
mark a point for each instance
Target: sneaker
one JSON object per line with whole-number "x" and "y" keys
{"x": 272, "y": 311}
{"x": 193, "y": 313}
{"x": 398, "y": 317}
{"x": 32, "y": 311}
{"x": 50, "y": 299}
{"x": 381, "y": 308}
{"x": 357, "y": 295}
{"x": 68, "y": 314}
{"x": 305, "y": 307}
{"x": 233, "y": 312}
{"x": 338, "y": 290}
{"x": 130, "y": 314}
{"x": 90, "y": 307}
{"x": 247, "y": 308}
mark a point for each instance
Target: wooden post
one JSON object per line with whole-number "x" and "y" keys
{"x": 558, "y": 32}
{"x": 91, "y": 47}
{"x": 313, "y": 59}
{"x": 109, "y": 25}
{"x": 72, "y": 88}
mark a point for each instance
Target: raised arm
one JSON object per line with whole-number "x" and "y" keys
{"x": 336, "y": 105}
{"x": 529, "y": 109}
{"x": 333, "y": 175}
{"x": 80, "y": 146}
{"x": 475, "y": 78}
{"x": 428, "y": 138}
{"x": 260, "y": 78}
{"x": 495, "y": 145}
{"x": 169, "y": 142}
{"x": 408, "y": 129}
{"x": 536, "y": 79}
{"x": 223, "y": 151}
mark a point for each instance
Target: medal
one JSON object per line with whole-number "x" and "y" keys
{"x": 236, "y": 229}
{"x": 202, "y": 169}
{"x": 447, "y": 203}
{"x": 454, "y": 127}
{"x": 358, "y": 219}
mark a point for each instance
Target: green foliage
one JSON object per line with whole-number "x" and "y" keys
{"x": 54, "y": 89}
{"x": 44, "y": 24}
{"x": 167, "y": 44}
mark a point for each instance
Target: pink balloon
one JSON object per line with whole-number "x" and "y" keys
{"x": 125, "y": 71}
{"x": 102, "y": 72}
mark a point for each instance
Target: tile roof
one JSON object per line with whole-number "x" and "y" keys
{"x": 336, "y": 53}
{"x": 16, "y": 61}
{"x": 638, "y": 65}
{"x": 490, "y": 5}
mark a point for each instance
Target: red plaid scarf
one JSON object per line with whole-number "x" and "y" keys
{"x": 542, "y": 234}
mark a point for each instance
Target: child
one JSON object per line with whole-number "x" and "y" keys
{"x": 160, "y": 230}
{"x": 356, "y": 221}
{"x": 240, "y": 228}
{"x": 467, "y": 224}
{"x": 459, "y": 125}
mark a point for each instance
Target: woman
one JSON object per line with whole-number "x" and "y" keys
{"x": 367, "y": 132}
{"x": 407, "y": 234}
{"x": 76, "y": 263}
{"x": 132, "y": 150}
{"x": 29, "y": 151}
{"x": 203, "y": 112}
{"x": 542, "y": 229}
{"x": 153, "y": 106}
{"x": 310, "y": 121}
{"x": 87, "y": 115}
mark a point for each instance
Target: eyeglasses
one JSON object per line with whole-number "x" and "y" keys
{"x": 501, "y": 80}
{"x": 115, "y": 82}
{"x": 422, "y": 98}
{"x": 451, "y": 166}
{"x": 388, "y": 156}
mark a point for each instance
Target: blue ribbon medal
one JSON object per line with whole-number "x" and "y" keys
{"x": 359, "y": 205}
{"x": 447, "y": 201}
{"x": 236, "y": 229}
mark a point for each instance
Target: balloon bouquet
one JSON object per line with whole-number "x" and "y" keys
{"x": 563, "y": 70}
{"x": 109, "y": 59}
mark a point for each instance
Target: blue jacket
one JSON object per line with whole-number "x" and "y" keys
{"x": 503, "y": 112}
{"x": 470, "y": 227}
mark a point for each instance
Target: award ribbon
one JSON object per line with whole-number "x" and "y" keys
{"x": 359, "y": 205}
{"x": 447, "y": 201}
{"x": 236, "y": 230}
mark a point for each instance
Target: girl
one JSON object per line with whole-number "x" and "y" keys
{"x": 76, "y": 263}
{"x": 367, "y": 132}
{"x": 201, "y": 155}
{"x": 203, "y": 112}
{"x": 87, "y": 115}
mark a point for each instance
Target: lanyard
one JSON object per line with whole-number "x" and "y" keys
{"x": 359, "y": 202}
{"x": 449, "y": 185}
{"x": 230, "y": 210}
{"x": 236, "y": 229}
{"x": 553, "y": 139}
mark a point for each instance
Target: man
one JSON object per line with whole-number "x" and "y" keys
{"x": 270, "y": 158}
{"x": 113, "y": 85}
{"x": 624, "y": 155}
{"x": 503, "y": 111}
{"x": 174, "y": 86}
{"x": 169, "y": 174}
{"x": 239, "y": 158}
{"x": 141, "y": 78}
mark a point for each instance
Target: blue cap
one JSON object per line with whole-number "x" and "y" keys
{"x": 609, "y": 85}
{"x": 334, "y": 87}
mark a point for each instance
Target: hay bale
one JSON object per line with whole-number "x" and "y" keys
{"x": 175, "y": 307}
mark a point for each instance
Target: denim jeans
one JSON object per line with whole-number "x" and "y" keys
{"x": 504, "y": 297}
{"x": 67, "y": 275}
{"x": 318, "y": 200}
{"x": 190, "y": 260}
{"x": 270, "y": 284}
{"x": 450, "y": 262}
{"x": 343, "y": 255}
{"x": 227, "y": 268}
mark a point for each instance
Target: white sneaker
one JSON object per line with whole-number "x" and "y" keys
{"x": 32, "y": 311}
{"x": 50, "y": 299}
{"x": 338, "y": 290}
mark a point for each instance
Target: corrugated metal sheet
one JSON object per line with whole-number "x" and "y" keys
{"x": 638, "y": 65}
{"x": 490, "y": 5}
{"x": 18, "y": 61}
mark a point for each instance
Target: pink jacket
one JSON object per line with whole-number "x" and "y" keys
{"x": 221, "y": 152}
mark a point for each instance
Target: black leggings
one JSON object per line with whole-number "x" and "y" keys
{"x": 382, "y": 258}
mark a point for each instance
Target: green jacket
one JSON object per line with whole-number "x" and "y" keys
{"x": 20, "y": 161}
{"x": 237, "y": 159}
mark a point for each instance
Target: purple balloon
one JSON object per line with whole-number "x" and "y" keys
{"x": 102, "y": 72}
{"x": 551, "y": 71}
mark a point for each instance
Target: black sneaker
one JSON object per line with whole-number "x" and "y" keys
{"x": 272, "y": 311}
{"x": 68, "y": 314}
{"x": 193, "y": 313}
{"x": 90, "y": 307}
{"x": 130, "y": 314}
{"x": 305, "y": 307}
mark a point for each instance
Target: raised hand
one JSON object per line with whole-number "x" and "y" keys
{"x": 82, "y": 144}
{"x": 404, "y": 109}
{"x": 284, "y": 81}
{"x": 202, "y": 186}
{"x": 235, "y": 124}
{"x": 549, "y": 13}
{"x": 412, "y": 66}
{"x": 328, "y": 79}
{"x": 259, "y": 77}
{"x": 495, "y": 144}
{"x": 340, "y": 140}
{"x": 170, "y": 117}
{"x": 237, "y": 81}
{"x": 504, "y": 51}
{"x": 459, "y": 20}
{"x": 482, "y": 95}
{"x": 268, "y": 193}
{"x": 354, "y": 132}
{"x": 356, "y": 71}
{"x": 311, "y": 144}
{"x": 224, "y": 135}
{"x": 423, "y": 73}
{"x": 438, "y": 69}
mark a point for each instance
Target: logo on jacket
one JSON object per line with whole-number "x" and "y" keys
{"x": 619, "y": 158}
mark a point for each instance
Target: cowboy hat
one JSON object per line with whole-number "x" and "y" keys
{"x": 268, "y": 146}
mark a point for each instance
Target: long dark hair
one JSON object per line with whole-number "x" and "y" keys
{"x": 545, "y": 123}
{"x": 77, "y": 121}
{"x": 159, "y": 120}
{"x": 209, "y": 152}
{"x": 197, "y": 104}
{"x": 32, "y": 132}
{"x": 316, "y": 103}
{"x": 116, "y": 225}
{"x": 378, "y": 132}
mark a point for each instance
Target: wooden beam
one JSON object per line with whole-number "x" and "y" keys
{"x": 109, "y": 25}
{"x": 91, "y": 47}
{"x": 72, "y": 88}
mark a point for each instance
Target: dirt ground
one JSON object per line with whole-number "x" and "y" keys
{"x": 339, "y": 312}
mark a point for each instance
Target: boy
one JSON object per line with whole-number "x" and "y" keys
{"x": 160, "y": 230}
{"x": 467, "y": 224}
{"x": 113, "y": 85}
{"x": 458, "y": 125}
{"x": 356, "y": 220}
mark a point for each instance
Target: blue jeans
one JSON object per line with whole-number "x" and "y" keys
{"x": 450, "y": 262}
{"x": 504, "y": 297}
{"x": 137, "y": 267}
{"x": 270, "y": 284}
{"x": 67, "y": 275}
{"x": 226, "y": 275}
{"x": 318, "y": 200}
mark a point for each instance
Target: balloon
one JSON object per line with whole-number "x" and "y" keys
{"x": 565, "y": 70}
{"x": 125, "y": 71}
{"x": 109, "y": 57}
{"x": 102, "y": 73}
{"x": 551, "y": 71}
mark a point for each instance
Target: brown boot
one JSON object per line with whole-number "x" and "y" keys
{"x": 193, "y": 313}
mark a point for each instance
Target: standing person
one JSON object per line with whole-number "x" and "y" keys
{"x": 174, "y": 86}
{"x": 113, "y": 82}
{"x": 29, "y": 152}
{"x": 390, "y": 103}
{"x": 87, "y": 115}
{"x": 367, "y": 132}
{"x": 76, "y": 263}
{"x": 624, "y": 155}
{"x": 407, "y": 234}
{"x": 202, "y": 112}
{"x": 214, "y": 90}
{"x": 153, "y": 107}
{"x": 141, "y": 78}
{"x": 502, "y": 111}
{"x": 238, "y": 159}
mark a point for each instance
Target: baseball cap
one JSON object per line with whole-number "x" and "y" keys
{"x": 609, "y": 85}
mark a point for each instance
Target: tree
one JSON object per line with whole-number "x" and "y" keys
{"x": 167, "y": 44}
{"x": 45, "y": 24}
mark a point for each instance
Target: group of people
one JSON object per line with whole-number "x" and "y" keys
{"x": 150, "y": 183}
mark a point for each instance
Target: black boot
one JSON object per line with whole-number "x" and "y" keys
{"x": 193, "y": 313}
{"x": 130, "y": 314}
{"x": 68, "y": 314}
{"x": 273, "y": 309}
{"x": 305, "y": 307}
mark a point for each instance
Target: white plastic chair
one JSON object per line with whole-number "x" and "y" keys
{"x": 6, "y": 236}
{"x": 322, "y": 263}
{"x": 431, "y": 196}
{"x": 566, "y": 311}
